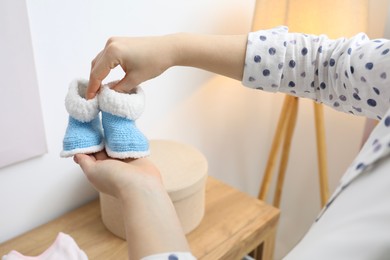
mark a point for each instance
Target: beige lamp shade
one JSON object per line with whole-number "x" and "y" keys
{"x": 335, "y": 18}
{"x": 184, "y": 173}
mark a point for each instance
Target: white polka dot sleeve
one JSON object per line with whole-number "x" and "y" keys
{"x": 350, "y": 75}
{"x": 171, "y": 256}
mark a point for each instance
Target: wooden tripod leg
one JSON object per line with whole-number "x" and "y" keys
{"x": 291, "y": 122}
{"x": 280, "y": 130}
{"x": 321, "y": 152}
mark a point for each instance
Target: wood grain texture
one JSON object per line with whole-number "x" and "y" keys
{"x": 234, "y": 224}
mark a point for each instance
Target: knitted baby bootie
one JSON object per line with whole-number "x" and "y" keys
{"x": 84, "y": 132}
{"x": 119, "y": 112}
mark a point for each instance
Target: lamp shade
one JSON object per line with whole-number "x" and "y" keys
{"x": 386, "y": 33}
{"x": 334, "y": 18}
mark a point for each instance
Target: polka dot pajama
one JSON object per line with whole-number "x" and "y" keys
{"x": 349, "y": 75}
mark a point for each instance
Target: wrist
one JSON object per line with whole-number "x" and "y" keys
{"x": 176, "y": 43}
{"x": 149, "y": 215}
{"x": 147, "y": 187}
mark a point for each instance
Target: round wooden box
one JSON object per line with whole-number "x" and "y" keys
{"x": 184, "y": 173}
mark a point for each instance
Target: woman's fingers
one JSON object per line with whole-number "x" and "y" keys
{"x": 101, "y": 66}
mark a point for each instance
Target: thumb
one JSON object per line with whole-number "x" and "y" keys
{"x": 86, "y": 162}
{"x": 126, "y": 84}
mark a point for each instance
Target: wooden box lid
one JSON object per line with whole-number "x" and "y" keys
{"x": 184, "y": 173}
{"x": 182, "y": 167}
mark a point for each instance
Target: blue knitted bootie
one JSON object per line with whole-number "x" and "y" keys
{"x": 119, "y": 112}
{"x": 84, "y": 131}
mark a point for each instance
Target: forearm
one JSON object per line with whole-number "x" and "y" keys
{"x": 151, "y": 222}
{"x": 346, "y": 74}
{"x": 221, "y": 54}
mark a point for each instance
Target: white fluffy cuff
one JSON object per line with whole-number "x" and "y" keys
{"x": 77, "y": 105}
{"x": 125, "y": 105}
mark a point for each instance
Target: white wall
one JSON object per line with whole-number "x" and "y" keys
{"x": 17, "y": 56}
{"x": 233, "y": 126}
{"x": 377, "y": 23}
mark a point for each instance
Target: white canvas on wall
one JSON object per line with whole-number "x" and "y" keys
{"x": 21, "y": 123}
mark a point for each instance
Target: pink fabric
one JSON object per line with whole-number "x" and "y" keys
{"x": 63, "y": 248}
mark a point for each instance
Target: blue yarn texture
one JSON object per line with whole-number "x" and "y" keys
{"x": 122, "y": 138}
{"x": 83, "y": 136}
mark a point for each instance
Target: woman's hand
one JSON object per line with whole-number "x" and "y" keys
{"x": 140, "y": 58}
{"x": 118, "y": 178}
{"x": 150, "y": 219}
{"x": 145, "y": 58}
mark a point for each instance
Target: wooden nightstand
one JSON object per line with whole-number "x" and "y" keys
{"x": 234, "y": 225}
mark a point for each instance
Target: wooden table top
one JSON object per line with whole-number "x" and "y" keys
{"x": 234, "y": 224}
